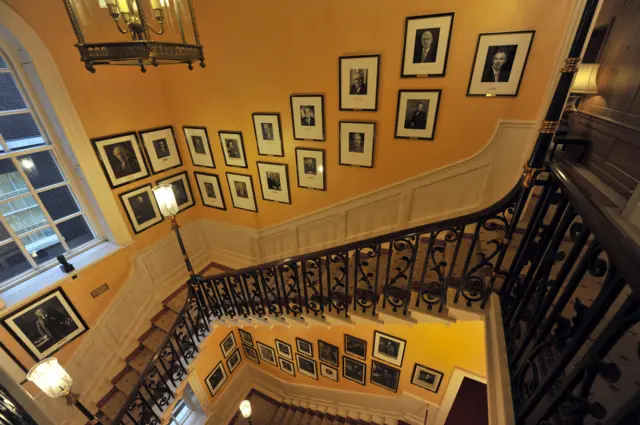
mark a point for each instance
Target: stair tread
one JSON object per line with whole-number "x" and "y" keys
{"x": 126, "y": 380}
{"x": 111, "y": 403}
{"x": 153, "y": 338}
{"x": 165, "y": 319}
{"x": 177, "y": 299}
{"x": 140, "y": 358}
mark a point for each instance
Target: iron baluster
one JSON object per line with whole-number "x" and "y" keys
{"x": 376, "y": 296}
{"x": 425, "y": 267}
{"x": 247, "y": 293}
{"x": 304, "y": 286}
{"x": 329, "y": 286}
{"x": 465, "y": 268}
{"x": 414, "y": 253}
{"x": 459, "y": 236}
{"x": 131, "y": 418}
{"x": 355, "y": 279}
{"x": 280, "y": 300}
{"x": 346, "y": 284}
{"x": 386, "y": 286}
{"x": 232, "y": 296}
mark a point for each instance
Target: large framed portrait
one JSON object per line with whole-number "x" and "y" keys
{"x": 356, "y": 143}
{"x": 426, "y": 45}
{"x": 427, "y": 378}
{"x": 355, "y": 346}
{"x": 354, "y": 370}
{"x": 358, "y": 81}
{"x": 181, "y": 189}
{"x": 417, "y": 114}
{"x": 307, "y": 115}
{"x": 311, "y": 168}
{"x": 328, "y": 353}
{"x": 251, "y": 353}
{"x": 499, "y": 63}
{"x": 198, "y": 142}
{"x": 307, "y": 366}
{"x": 234, "y": 360}
{"x": 210, "y": 191}
{"x": 121, "y": 158}
{"x": 385, "y": 376}
{"x": 284, "y": 349}
{"x": 242, "y": 193}
{"x": 46, "y": 324}
{"x": 274, "y": 182}
{"x": 266, "y": 353}
{"x": 141, "y": 208}
{"x": 228, "y": 344}
{"x": 216, "y": 379}
{"x": 161, "y": 148}
{"x": 268, "y": 133}
{"x": 388, "y": 348}
{"x": 233, "y": 148}
{"x": 286, "y": 366}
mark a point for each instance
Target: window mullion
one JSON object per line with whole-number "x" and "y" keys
{"x": 18, "y": 242}
{"x": 3, "y": 143}
{"x": 68, "y": 217}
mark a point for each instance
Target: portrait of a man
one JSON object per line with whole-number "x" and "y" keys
{"x": 267, "y": 131}
{"x": 416, "y": 115}
{"x": 216, "y": 378}
{"x": 353, "y": 370}
{"x": 385, "y": 376}
{"x": 310, "y": 166}
{"x": 198, "y": 144}
{"x": 161, "y": 148}
{"x": 388, "y": 347}
{"x": 497, "y": 66}
{"x": 307, "y": 115}
{"x": 180, "y": 192}
{"x": 232, "y": 148}
{"x": 356, "y": 142}
{"x": 241, "y": 190}
{"x": 47, "y": 324}
{"x": 426, "y": 47}
{"x": 273, "y": 180}
{"x": 122, "y": 159}
{"x": 358, "y": 82}
{"x": 209, "y": 189}
{"x": 142, "y": 208}
{"x": 426, "y": 377}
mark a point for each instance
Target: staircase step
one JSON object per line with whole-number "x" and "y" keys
{"x": 177, "y": 299}
{"x": 282, "y": 410}
{"x": 286, "y": 420}
{"x": 307, "y": 417}
{"x": 317, "y": 419}
{"x": 140, "y": 358}
{"x": 153, "y": 338}
{"x": 165, "y": 319}
{"x": 112, "y": 402}
{"x": 297, "y": 417}
{"x": 126, "y": 380}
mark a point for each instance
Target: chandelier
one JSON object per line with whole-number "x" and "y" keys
{"x": 146, "y": 32}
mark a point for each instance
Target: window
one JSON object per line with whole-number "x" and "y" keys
{"x": 40, "y": 215}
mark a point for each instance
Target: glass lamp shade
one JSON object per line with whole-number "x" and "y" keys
{"x": 166, "y": 200}
{"x": 245, "y": 409}
{"x": 585, "y": 81}
{"x": 51, "y": 378}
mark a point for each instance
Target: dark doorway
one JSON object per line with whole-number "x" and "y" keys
{"x": 470, "y": 405}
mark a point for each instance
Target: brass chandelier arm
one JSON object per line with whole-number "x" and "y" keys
{"x": 122, "y": 30}
{"x": 160, "y": 32}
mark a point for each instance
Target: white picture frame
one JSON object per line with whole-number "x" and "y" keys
{"x": 414, "y": 121}
{"x": 357, "y": 143}
{"x": 329, "y": 372}
{"x": 284, "y": 350}
{"x": 242, "y": 194}
{"x": 307, "y": 115}
{"x": 181, "y": 189}
{"x": 210, "y": 190}
{"x": 426, "y": 45}
{"x": 287, "y": 366}
{"x": 234, "y": 360}
{"x": 233, "y": 148}
{"x": 121, "y": 158}
{"x": 307, "y": 366}
{"x": 311, "y": 169}
{"x": 427, "y": 378}
{"x": 267, "y": 353}
{"x": 141, "y": 208}
{"x": 388, "y": 348}
{"x": 358, "y": 82}
{"x": 161, "y": 149}
{"x": 228, "y": 344}
{"x": 268, "y": 133}
{"x": 197, "y": 139}
{"x": 274, "y": 182}
{"x": 216, "y": 379}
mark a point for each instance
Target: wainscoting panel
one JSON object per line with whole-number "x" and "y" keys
{"x": 377, "y": 217}
{"x": 320, "y": 233}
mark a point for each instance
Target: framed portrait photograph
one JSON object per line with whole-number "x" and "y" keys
{"x": 161, "y": 148}
{"x": 141, "y": 208}
{"x": 385, "y": 376}
{"x": 417, "y": 114}
{"x": 234, "y": 360}
{"x": 286, "y": 366}
{"x": 307, "y": 366}
{"x": 274, "y": 182}
{"x": 251, "y": 353}
{"x": 46, "y": 324}
{"x": 228, "y": 344}
{"x": 388, "y": 348}
{"x": 242, "y": 194}
{"x": 329, "y": 372}
{"x": 283, "y": 349}
{"x": 356, "y": 143}
{"x": 311, "y": 169}
{"x": 304, "y": 347}
{"x": 210, "y": 191}
{"x": 121, "y": 158}
{"x": 307, "y": 115}
{"x": 245, "y": 337}
{"x": 267, "y": 354}
{"x": 358, "y": 81}
{"x": 426, "y": 45}
{"x": 233, "y": 148}
{"x": 355, "y": 347}
{"x": 268, "y": 133}
{"x": 427, "y": 378}
{"x": 216, "y": 379}
{"x": 328, "y": 353}
{"x": 181, "y": 189}
{"x": 354, "y": 370}
{"x": 499, "y": 64}
{"x": 198, "y": 142}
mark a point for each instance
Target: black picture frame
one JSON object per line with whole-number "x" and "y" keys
{"x": 198, "y": 175}
{"x": 227, "y": 349}
{"x": 301, "y": 168}
{"x": 261, "y": 165}
{"x": 342, "y": 59}
{"x": 103, "y": 159}
{"x": 235, "y": 354}
{"x": 380, "y": 355}
{"x": 293, "y": 117}
{"x": 284, "y": 350}
{"x": 344, "y": 124}
{"x": 272, "y": 352}
{"x": 185, "y": 129}
{"x": 221, "y": 377}
{"x": 187, "y": 187}
{"x": 251, "y": 353}
{"x": 142, "y": 134}
{"x": 346, "y": 362}
{"x": 258, "y": 138}
{"x": 21, "y": 376}
{"x": 403, "y": 74}
{"x": 283, "y": 361}
{"x": 307, "y": 349}
{"x": 324, "y": 368}
{"x": 328, "y": 353}
{"x": 300, "y": 358}
{"x": 244, "y": 335}
{"x": 158, "y": 217}
{"x": 418, "y": 368}
{"x": 242, "y": 151}
{"x": 380, "y": 375}
{"x": 363, "y": 343}
{"x": 253, "y": 192}
{"x": 435, "y": 118}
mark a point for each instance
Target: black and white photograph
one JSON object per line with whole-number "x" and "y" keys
{"x": 274, "y": 181}
{"x": 307, "y": 115}
{"x": 286, "y": 366}
{"x": 228, "y": 344}
{"x": 499, "y": 63}
{"x": 358, "y": 80}
{"x": 355, "y": 346}
{"x": 233, "y": 148}
{"x": 251, "y": 353}
{"x": 242, "y": 194}
{"x": 329, "y": 372}
{"x": 385, "y": 376}
{"x": 311, "y": 169}
{"x": 307, "y": 366}
{"x": 216, "y": 379}
{"x": 283, "y": 349}
{"x": 210, "y": 190}
{"x": 354, "y": 370}
{"x": 304, "y": 347}
{"x": 198, "y": 142}
{"x": 268, "y": 133}
{"x": 426, "y": 45}
{"x": 417, "y": 114}
{"x": 46, "y": 324}
{"x": 328, "y": 353}
{"x": 161, "y": 148}
{"x": 234, "y": 360}
{"x": 427, "y": 378}
{"x": 181, "y": 190}
{"x": 141, "y": 208}
{"x": 388, "y": 348}
{"x": 245, "y": 337}
{"x": 357, "y": 143}
{"x": 121, "y": 158}
{"x": 266, "y": 353}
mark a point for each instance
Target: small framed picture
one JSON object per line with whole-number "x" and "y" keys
{"x": 233, "y": 148}
{"x": 307, "y": 366}
{"x": 181, "y": 189}
{"x": 46, "y": 324}
{"x": 355, "y": 347}
{"x": 499, "y": 63}
{"x": 307, "y": 114}
{"x": 286, "y": 366}
{"x": 267, "y": 354}
{"x": 427, "y": 378}
{"x": 268, "y": 133}
{"x": 161, "y": 148}
{"x": 274, "y": 182}
{"x": 141, "y": 208}
{"x": 251, "y": 353}
{"x": 228, "y": 344}
{"x": 385, "y": 376}
{"x": 358, "y": 80}
{"x": 245, "y": 337}
{"x": 328, "y": 353}
{"x": 242, "y": 194}
{"x": 210, "y": 191}
{"x": 426, "y": 45}
{"x": 329, "y": 372}
{"x": 234, "y": 360}
{"x": 388, "y": 348}
{"x": 304, "y": 347}
{"x": 216, "y": 379}
{"x": 311, "y": 169}
{"x": 356, "y": 143}
{"x": 198, "y": 142}
{"x": 354, "y": 370}
{"x": 283, "y": 349}
{"x": 121, "y": 158}
{"x": 417, "y": 114}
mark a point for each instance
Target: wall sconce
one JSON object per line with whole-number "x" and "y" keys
{"x": 585, "y": 81}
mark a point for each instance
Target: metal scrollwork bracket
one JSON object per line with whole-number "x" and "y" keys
{"x": 571, "y": 65}
{"x": 529, "y": 175}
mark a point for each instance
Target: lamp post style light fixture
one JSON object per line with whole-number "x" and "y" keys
{"x": 133, "y": 43}
{"x": 55, "y": 382}
{"x": 245, "y": 409}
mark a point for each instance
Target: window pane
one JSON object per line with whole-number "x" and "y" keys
{"x": 43, "y": 245}
{"x": 11, "y": 182}
{"x": 23, "y": 215}
{"x": 75, "y": 232}
{"x": 3, "y": 64}
{"x": 59, "y": 202}
{"x": 20, "y": 131}
{"x": 3, "y": 233}
{"x": 41, "y": 169}
{"x": 10, "y": 97}
{"x": 12, "y": 261}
